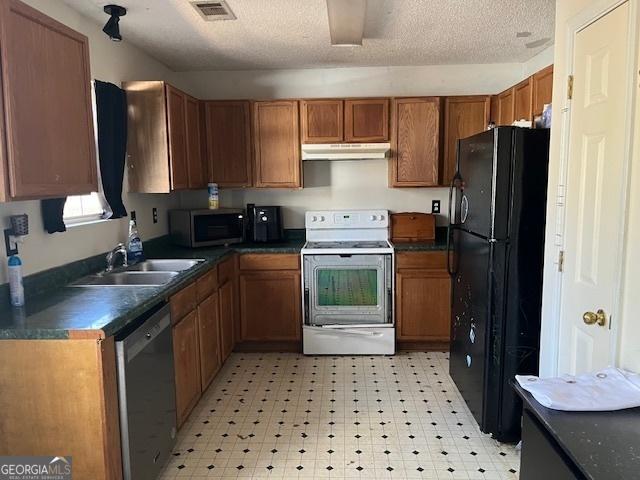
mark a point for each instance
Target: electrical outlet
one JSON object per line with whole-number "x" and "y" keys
{"x": 155, "y": 215}
{"x": 435, "y": 206}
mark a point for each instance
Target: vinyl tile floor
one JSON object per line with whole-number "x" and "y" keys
{"x": 290, "y": 416}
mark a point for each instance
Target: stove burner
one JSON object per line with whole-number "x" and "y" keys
{"x": 348, "y": 244}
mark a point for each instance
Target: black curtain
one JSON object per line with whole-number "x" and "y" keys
{"x": 111, "y": 109}
{"x": 52, "y": 209}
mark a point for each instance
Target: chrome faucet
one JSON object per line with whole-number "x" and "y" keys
{"x": 118, "y": 249}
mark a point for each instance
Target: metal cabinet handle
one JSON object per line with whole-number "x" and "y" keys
{"x": 591, "y": 318}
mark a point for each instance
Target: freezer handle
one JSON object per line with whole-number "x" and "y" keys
{"x": 456, "y": 180}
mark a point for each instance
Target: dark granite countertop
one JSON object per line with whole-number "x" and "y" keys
{"x": 440, "y": 243}
{"x": 601, "y": 444}
{"x": 55, "y": 311}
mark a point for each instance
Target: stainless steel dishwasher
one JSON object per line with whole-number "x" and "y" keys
{"x": 146, "y": 391}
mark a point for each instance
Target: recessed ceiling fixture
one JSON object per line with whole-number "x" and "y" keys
{"x": 211, "y": 11}
{"x": 346, "y": 22}
{"x": 112, "y": 27}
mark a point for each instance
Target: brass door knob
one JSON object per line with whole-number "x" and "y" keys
{"x": 599, "y": 317}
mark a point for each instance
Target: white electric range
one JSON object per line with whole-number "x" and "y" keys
{"x": 348, "y": 283}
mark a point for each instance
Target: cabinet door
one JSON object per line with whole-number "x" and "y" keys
{"x": 176, "y": 122}
{"x": 366, "y": 120}
{"x": 228, "y": 133}
{"x": 506, "y": 112}
{"x": 322, "y": 121}
{"x": 227, "y": 314}
{"x": 187, "y": 365}
{"x": 415, "y": 139}
{"x": 542, "y": 89}
{"x": 523, "y": 99}
{"x": 209, "y": 339}
{"x": 197, "y": 177}
{"x": 423, "y": 310}
{"x": 276, "y": 144}
{"x": 270, "y": 305}
{"x": 463, "y": 117}
{"x": 46, "y": 86}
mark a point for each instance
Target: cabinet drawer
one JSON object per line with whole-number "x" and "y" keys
{"x": 207, "y": 284}
{"x": 270, "y": 261}
{"x": 183, "y": 302}
{"x": 424, "y": 260}
{"x": 226, "y": 270}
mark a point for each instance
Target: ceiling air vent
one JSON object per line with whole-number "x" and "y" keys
{"x": 212, "y": 11}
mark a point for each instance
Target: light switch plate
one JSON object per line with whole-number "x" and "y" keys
{"x": 155, "y": 215}
{"x": 435, "y": 206}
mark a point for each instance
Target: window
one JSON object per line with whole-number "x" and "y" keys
{"x": 92, "y": 207}
{"x": 83, "y": 209}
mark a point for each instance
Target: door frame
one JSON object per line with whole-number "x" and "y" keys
{"x": 553, "y": 310}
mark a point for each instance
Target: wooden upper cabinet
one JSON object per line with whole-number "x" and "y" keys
{"x": 322, "y": 121}
{"x": 164, "y": 147}
{"x": 494, "y": 112}
{"x": 463, "y": 117}
{"x": 228, "y": 139}
{"x": 366, "y": 120}
{"x": 196, "y": 171}
{"x": 177, "y": 128}
{"x": 523, "y": 100}
{"x": 276, "y": 143}
{"x": 506, "y": 112}
{"x": 415, "y": 140}
{"x": 542, "y": 89}
{"x": 46, "y": 98}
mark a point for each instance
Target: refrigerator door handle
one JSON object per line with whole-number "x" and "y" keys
{"x": 456, "y": 178}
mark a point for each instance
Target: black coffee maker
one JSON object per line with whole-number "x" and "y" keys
{"x": 264, "y": 223}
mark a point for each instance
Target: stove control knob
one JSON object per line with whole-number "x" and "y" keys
{"x": 373, "y": 218}
{"x": 314, "y": 219}
{"x": 322, "y": 218}
{"x": 381, "y": 218}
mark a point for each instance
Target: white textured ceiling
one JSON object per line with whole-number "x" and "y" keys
{"x": 275, "y": 34}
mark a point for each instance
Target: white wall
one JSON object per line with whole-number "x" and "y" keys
{"x": 350, "y": 184}
{"x": 629, "y": 345}
{"x": 113, "y": 62}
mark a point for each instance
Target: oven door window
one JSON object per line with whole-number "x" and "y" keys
{"x": 347, "y": 288}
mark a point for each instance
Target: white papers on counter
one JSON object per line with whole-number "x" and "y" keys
{"x": 604, "y": 390}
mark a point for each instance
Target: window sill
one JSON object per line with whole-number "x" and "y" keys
{"x": 83, "y": 222}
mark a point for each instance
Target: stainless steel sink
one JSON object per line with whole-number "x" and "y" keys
{"x": 125, "y": 279}
{"x": 164, "y": 265}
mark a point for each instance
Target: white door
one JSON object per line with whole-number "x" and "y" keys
{"x": 593, "y": 196}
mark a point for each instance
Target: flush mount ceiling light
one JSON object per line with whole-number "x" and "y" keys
{"x": 112, "y": 28}
{"x": 346, "y": 22}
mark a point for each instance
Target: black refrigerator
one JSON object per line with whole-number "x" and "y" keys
{"x": 496, "y": 251}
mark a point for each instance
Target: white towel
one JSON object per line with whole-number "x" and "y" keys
{"x": 605, "y": 390}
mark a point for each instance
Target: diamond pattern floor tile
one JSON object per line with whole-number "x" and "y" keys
{"x": 289, "y": 416}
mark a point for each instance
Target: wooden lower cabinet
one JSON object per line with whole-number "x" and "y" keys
{"x": 209, "y": 339}
{"x": 423, "y": 298}
{"x": 271, "y": 308}
{"x": 226, "y": 294}
{"x": 270, "y": 300}
{"x": 186, "y": 360}
{"x": 60, "y": 397}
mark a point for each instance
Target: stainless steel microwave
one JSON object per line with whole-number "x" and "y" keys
{"x": 206, "y": 228}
